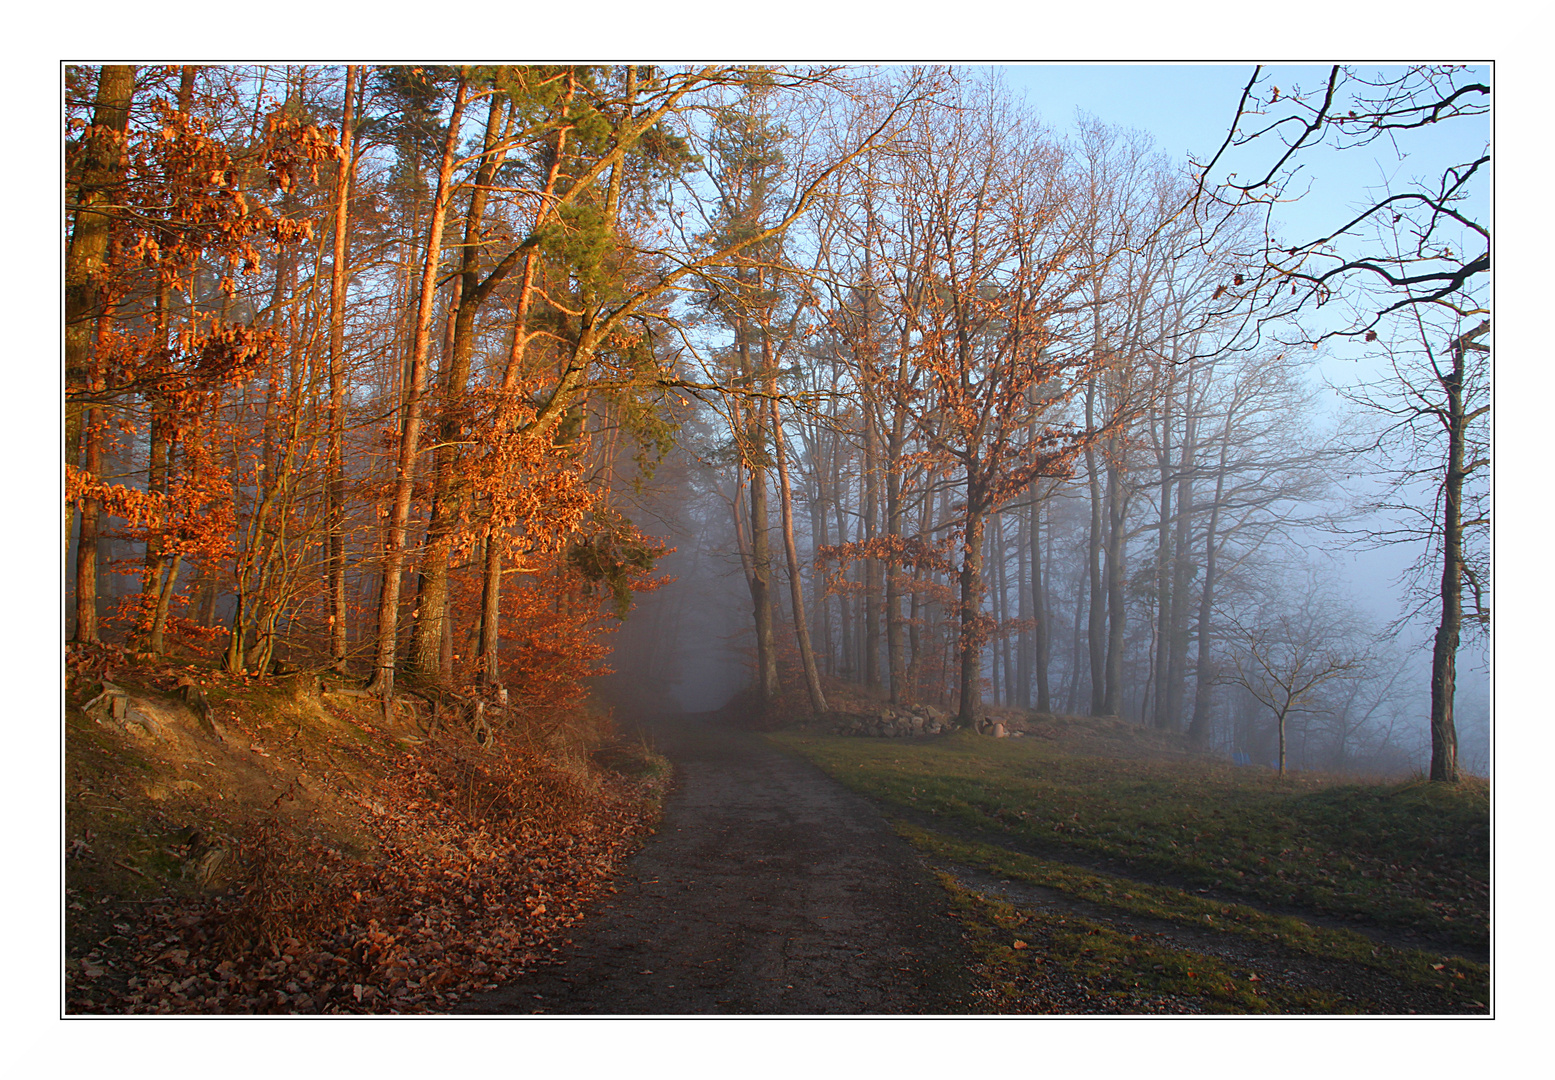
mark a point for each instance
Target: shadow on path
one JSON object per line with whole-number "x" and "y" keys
{"x": 769, "y": 889}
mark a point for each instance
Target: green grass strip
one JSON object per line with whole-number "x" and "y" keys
{"x": 1463, "y": 981}
{"x": 1035, "y": 962}
{"x": 1410, "y": 855}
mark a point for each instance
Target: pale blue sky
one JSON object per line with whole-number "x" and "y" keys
{"x": 1186, "y": 107}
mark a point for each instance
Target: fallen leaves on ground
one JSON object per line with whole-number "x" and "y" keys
{"x": 485, "y": 861}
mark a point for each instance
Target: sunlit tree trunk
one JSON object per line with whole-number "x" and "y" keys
{"x": 164, "y": 602}
{"x": 410, "y": 431}
{"x": 335, "y": 482}
{"x": 427, "y": 649}
{"x": 91, "y": 510}
{"x": 99, "y": 172}
{"x": 491, "y": 570}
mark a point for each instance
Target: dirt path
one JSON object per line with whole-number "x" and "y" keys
{"x": 769, "y": 889}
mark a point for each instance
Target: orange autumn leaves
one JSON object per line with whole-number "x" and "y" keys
{"x": 205, "y": 428}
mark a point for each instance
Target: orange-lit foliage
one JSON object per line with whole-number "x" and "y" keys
{"x": 210, "y": 386}
{"x": 555, "y": 630}
{"x": 906, "y": 552}
{"x": 184, "y": 212}
{"x": 530, "y": 486}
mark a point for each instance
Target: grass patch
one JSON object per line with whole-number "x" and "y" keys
{"x": 1461, "y": 981}
{"x": 1407, "y": 854}
{"x": 1038, "y": 962}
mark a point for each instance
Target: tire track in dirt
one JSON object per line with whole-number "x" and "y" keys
{"x": 769, "y": 889}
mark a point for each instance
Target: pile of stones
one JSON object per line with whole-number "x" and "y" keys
{"x": 908, "y": 721}
{"x": 895, "y": 722}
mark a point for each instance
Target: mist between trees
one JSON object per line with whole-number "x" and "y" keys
{"x": 792, "y": 377}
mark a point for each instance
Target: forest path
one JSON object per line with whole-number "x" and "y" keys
{"x": 769, "y": 889}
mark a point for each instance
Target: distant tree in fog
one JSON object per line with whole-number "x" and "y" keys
{"x": 1284, "y": 657}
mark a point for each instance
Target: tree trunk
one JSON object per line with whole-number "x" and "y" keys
{"x": 760, "y": 579}
{"x": 795, "y": 579}
{"x": 1096, "y": 626}
{"x": 1117, "y": 510}
{"x": 491, "y": 579}
{"x": 427, "y": 650}
{"x": 849, "y": 665}
{"x": 164, "y": 602}
{"x": 1280, "y": 723}
{"x": 995, "y": 614}
{"x": 1163, "y": 718}
{"x": 335, "y": 482}
{"x": 873, "y": 576}
{"x": 761, "y": 592}
{"x": 895, "y": 646}
{"x": 410, "y": 431}
{"x": 1040, "y": 637}
{"x": 1204, "y": 677}
{"x": 101, "y": 169}
{"x": 86, "y": 543}
{"x": 1023, "y": 596}
{"x": 971, "y": 698}
{"x": 1444, "y": 649}
{"x": 1182, "y": 565}
{"x": 818, "y": 532}
{"x": 918, "y": 611}
{"x": 91, "y": 509}
{"x": 1001, "y": 574}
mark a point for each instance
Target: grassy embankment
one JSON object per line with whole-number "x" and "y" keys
{"x": 1199, "y": 845}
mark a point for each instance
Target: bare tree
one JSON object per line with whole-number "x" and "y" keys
{"x": 1415, "y": 254}
{"x": 1286, "y": 655}
{"x": 1274, "y": 129}
{"x": 1433, "y": 451}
